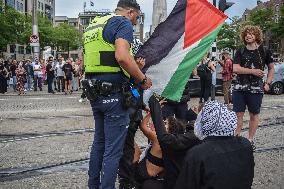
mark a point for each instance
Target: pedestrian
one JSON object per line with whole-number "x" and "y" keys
{"x": 50, "y": 75}
{"x": 204, "y": 72}
{"x": 21, "y": 78}
{"x": 3, "y": 80}
{"x": 68, "y": 71}
{"x": 109, "y": 74}
{"x": 76, "y": 75}
{"x": 221, "y": 160}
{"x": 227, "y": 75}
{"x": 249, "y": 63}
{"x": 29, "y": 74}
{"x": 13, "y": 68}
{"x": 54, "y": 64}
{"x": 60, "y": 75}
{"x": 37, "y": 69}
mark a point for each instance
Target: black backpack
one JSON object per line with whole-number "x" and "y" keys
{"x": 203, "y": 71}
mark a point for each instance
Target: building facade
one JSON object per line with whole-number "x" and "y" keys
{"x": 277, "y": 47}
{"x": 46, "y": 7}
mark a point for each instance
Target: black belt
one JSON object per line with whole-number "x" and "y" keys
{"x": 104, "y": 87}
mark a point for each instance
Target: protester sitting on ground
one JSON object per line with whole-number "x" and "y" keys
{"x": 173, "y": 144}
{"x": 222, "y": 160}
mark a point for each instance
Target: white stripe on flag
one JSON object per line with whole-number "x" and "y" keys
{"x": 161, "y": 73}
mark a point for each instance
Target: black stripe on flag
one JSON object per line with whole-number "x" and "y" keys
{"x": 165, "y": 36}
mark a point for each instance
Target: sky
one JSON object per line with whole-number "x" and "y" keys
{"x": 71, "y": 8}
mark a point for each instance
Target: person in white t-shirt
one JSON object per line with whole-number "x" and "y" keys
{"x": 37, "y": 68}
{"x": 60, "y": 75}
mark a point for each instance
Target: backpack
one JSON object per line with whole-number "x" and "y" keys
{"x": 203, "y": 70}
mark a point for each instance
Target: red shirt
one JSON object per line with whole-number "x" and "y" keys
{"x": 227, "y": 70}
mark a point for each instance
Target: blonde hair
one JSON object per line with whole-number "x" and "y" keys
{"x": 255, "y": 30}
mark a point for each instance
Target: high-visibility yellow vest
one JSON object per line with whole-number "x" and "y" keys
{"x": 99, "y": 55}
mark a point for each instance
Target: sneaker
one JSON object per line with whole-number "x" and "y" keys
{"x": 252, "y": 145}
{"x": 81, "y": 100}
{"x": 25, "y": 90}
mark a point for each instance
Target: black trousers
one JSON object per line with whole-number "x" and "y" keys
{"x": 127, "y": 169}
{"x": 49, "y": 83}
{"x": 153, "y": 184}
{"x": 177, "y": 109}
{"x": 205, "y": 85}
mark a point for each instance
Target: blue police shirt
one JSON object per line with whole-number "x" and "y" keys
{"x": 117, "y": 27}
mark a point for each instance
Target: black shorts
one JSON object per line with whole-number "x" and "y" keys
{"x": 68, "y": 78}
{"x": 242, "y": 99}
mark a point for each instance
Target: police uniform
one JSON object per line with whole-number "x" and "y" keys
{"x": 111, "y": 118}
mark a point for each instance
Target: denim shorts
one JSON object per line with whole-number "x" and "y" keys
{"x": 242, "y": 99}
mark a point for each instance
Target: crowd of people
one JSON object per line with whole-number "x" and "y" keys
{"x": 26, "y": 75}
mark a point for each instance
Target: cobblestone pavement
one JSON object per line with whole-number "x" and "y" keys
{"x": 42, "y": 130}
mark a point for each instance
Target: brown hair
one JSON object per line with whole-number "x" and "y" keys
{"x": 176, "y": 126}
{"x": 255, "y": 30}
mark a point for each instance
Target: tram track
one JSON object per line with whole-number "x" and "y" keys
{"x": 13, "y": 174}
{"x": 31, "y": 136}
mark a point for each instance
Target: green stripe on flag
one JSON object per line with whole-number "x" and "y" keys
{"x": 176, "y": 85}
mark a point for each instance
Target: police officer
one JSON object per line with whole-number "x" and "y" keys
{"x": 108, "y": 64}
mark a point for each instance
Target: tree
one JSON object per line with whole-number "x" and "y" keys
{"x": 67, "y": 37}
{"x": 228, "y": 36}
{"x": 13, "y": 26}
{"x": 262, "y": 18}
{"x": 278, "y": 30}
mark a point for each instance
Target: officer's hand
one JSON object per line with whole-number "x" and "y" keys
{"x": 147, "y": 84}
{"x": 140, "y": 62}
{"x": 266, "y": 87}
{"x": 258, "y": 73}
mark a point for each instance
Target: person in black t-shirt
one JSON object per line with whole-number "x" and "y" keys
{"x": 68, "y": 71}
{"x": 12, "y": 69}
{"x": 50, "y": 75}
{"x": 249, "y": 63}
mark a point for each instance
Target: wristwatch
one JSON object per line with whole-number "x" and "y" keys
{"x": 143, "y": 81}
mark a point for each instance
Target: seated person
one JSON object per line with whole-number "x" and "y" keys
{"x": 221, "y": 160}
{"x": 174, "y": 143}
{"x": 150, "y": 167}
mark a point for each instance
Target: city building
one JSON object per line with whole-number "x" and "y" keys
{"x": 46, "y": 7}
{"x": 159, "y": 13}
{"x": 277, "y": 47}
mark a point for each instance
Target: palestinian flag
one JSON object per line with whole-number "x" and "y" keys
{"x": 178, "y": 45}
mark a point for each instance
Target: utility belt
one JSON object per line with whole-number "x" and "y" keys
{"x": 94, "y": 88}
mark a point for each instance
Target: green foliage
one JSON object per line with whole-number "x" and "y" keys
{"x": 228, "y": 37}
{"x": 278, "y": 29}
{"x": 67, "y": 37}
{"x": 13, "y": 25}
{"x": 262, "y": 18}
{"x": 17, "y": 28}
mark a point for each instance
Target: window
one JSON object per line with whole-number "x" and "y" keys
{"x": 246, "y": 17}
{"x": 12, "y": 48}
{"x": 21, "y": 50}
{"x": 20, "y": 6}
{"x": 276, "y": 18}
{"x": 277, "y": 8}
{"x": 38, "y": 5}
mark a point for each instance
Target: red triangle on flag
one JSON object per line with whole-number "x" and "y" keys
{"x": 201, "y": 19}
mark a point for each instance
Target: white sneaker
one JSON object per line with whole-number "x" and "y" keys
{"x": 81, "y": 100}
{"x": 25, "y": 90}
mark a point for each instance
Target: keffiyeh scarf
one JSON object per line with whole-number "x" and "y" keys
{"x": 215, "y": 119}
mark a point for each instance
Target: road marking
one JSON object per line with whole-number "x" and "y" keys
{"x": 42, "y": 98}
